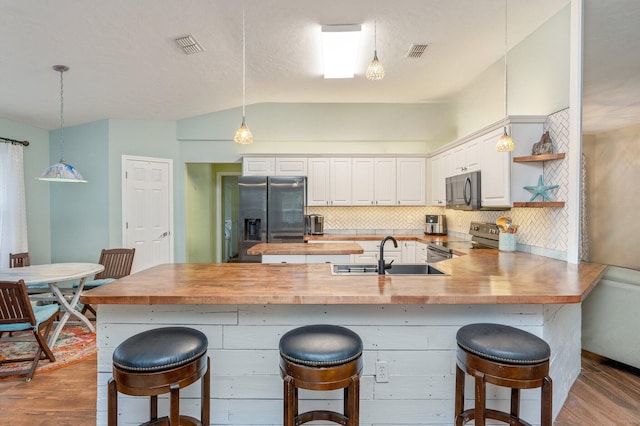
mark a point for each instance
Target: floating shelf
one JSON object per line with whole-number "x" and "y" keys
{"x": 538, "y": 204}
{"x": 534, "y": 158}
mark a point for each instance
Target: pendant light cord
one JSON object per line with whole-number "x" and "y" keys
{"x": 375, "y": 35}
{"x": 243, "y": 65}
{"x": 505, "y": 65}
{"x": 61, "y": 117}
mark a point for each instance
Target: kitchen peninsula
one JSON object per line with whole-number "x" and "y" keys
{"x": 407, "y": 322}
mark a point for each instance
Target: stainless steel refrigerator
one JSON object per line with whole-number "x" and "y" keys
{"x": 271, "y": 210}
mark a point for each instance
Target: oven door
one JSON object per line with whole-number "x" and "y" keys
{"x": 437, "y": 254}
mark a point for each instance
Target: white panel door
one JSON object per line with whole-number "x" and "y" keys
{"x": 411, "y": 182}
{"x": 318, "y": 182}
{"x": 362, "y": 181}
{"x": 340, "y": 181}
{"x": 148, "y": 210}
{"x": 385, "y": 181}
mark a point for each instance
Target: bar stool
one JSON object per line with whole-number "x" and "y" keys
{"x": 163, "y": 360}
{"x": 321, "y": 358}
{"x": 504, "y": 356}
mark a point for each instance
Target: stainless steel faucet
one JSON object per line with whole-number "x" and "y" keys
{"x": 381, "y": 265}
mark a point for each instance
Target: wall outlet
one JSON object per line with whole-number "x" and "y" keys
{"x": 382, "y": 371}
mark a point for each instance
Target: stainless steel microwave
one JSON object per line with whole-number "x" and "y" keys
{"x": 463, "y": 191}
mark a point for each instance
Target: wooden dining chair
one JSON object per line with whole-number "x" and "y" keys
{"x": 117, "y": 263}
{"x": 17, "y": 314}
{"x": 18, "y": 260}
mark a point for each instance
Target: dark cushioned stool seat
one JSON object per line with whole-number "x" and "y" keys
{"x": 321, "y": 357}
{"x": 504, "y": 356}
{"x": 158, "y": 361}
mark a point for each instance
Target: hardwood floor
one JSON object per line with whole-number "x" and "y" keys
{"x": 606, "y": 393}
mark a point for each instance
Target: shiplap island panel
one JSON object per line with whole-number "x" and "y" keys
{"x": 409, "y": 322}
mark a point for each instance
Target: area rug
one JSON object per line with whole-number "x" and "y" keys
{"x": 75, "y": 343}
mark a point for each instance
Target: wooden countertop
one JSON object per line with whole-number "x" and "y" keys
{"x": 375, "y": 237}
{"x": 304, "y": 249}
{"x": 482, "y": 277}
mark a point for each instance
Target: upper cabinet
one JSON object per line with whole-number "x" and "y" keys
{"x": 258, "y": 166}
{"x": 362, "y": 181}
{"x": 291, "y": 166}
{"x": 466, "y": 157}
{"x": 411, "y": 181}
{"x": 385, "y": 181}
{"x": 441, "y": 168}
{"x": 496, "y": 172}
{"x": 329, "y": 181}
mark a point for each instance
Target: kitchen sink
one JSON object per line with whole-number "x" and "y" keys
{"x": 399, "y": 269}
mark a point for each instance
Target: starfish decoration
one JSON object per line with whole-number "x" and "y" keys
{"x": 540, "y": 190}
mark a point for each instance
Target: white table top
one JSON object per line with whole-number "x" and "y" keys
{"x": 50, "y": 273}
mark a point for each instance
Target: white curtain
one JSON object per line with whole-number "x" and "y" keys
{"x": 13, "y": 212}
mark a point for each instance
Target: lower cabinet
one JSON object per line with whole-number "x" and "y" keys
{"x": 421, "y": 252}
{"x": 371, "y": 253}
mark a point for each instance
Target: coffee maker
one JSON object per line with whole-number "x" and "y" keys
{"x": 435, "y": 224}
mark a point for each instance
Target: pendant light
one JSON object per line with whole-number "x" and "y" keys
{"x": 375, "y": 71}
{"x": 505, "y": 143}
{"x": 243, "y": 135}
{"x": 61, "y": 171}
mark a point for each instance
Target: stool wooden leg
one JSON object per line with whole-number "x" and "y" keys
{"x": 153, "y": 407}
{"x": 481, "y": 395}
{"x": 174, "y": 416}
{"x": 352, "y": 402}
{"x": 459, "y": 404}
{"x": 290, "y": 402}
{"x": 515, "y": 402}
{"x": 546, "y": 411}
{"x": 112, "y": 403}
{"x": 205, "y": 392}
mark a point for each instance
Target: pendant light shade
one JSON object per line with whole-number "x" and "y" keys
{"x": 505, "y": 143}
{"x": 243, "y": 135}
{"x": 375, "y": 71}
{"x": 61, "y": 171}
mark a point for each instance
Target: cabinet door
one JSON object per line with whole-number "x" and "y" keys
{"x": 437, "y": 184}
{"x": 495, "y": 172}
{"x": 291, "y": 166}
{"x": 385, "y": 181}
{"x": 362, "y": 181}
{"x": 408, "y": 251}
{"x": 472, "y": 155}
{"x": 258, "y": 166}
{"x": 340, "y": 178}
{"x": 458, "y": 160}
{"x": 318, "y": 182}
{"x": 421, "y": 252}
{"x": 411, "y": 181}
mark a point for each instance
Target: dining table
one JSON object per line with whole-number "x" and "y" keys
{"x": 54, "y": 274}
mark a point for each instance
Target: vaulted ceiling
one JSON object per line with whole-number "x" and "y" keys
{"x": 125, "y": 63}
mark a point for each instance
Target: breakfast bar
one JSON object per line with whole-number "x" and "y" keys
{"x": 407, "y": 323}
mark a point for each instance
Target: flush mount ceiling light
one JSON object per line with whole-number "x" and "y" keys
{"x": 375, "y": 70}
{"x": 243, "y": 135}
{"x": 61, "y": 171}
{"x": 505, "y": 143}
{"x": 340, "y": 50}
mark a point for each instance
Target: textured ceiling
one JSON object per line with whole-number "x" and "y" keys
{"x": 125, "y": 64}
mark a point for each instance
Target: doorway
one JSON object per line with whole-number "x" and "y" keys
{"x": 227, "y": 215}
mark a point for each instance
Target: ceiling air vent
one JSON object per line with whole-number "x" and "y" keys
{"x": 189, "y": 44}
{"x": 416, "y": 50}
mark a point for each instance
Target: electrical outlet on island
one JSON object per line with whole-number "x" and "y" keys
{"x": 382, "y": 371}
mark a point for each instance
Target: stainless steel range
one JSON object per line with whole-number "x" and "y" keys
{"x": 483, "y": 235}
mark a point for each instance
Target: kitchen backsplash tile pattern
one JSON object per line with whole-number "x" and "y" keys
{"x": 541, "y": 230}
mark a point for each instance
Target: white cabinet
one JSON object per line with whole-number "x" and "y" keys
{"x": 290, "y": 166}
{"x": 466, "y": 157}
{"x": 329, "y": 182}
{"x": 258, "y": 166}
{"x": 385, "y": 181}
{"x": 318, "y": 182}
{"x": 495, "y": 173}
{"x": 421, "y": 252}
{"x": 437, "y": 182}
{"x": 362, "y": 182}
{"x": 408, "y": 251}
{"x": 371, "y": 252}
{"x": 411, "y": 181}
{"x": 340, "y": 180}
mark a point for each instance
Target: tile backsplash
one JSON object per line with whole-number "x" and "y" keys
{"x": 541, "y": 230}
